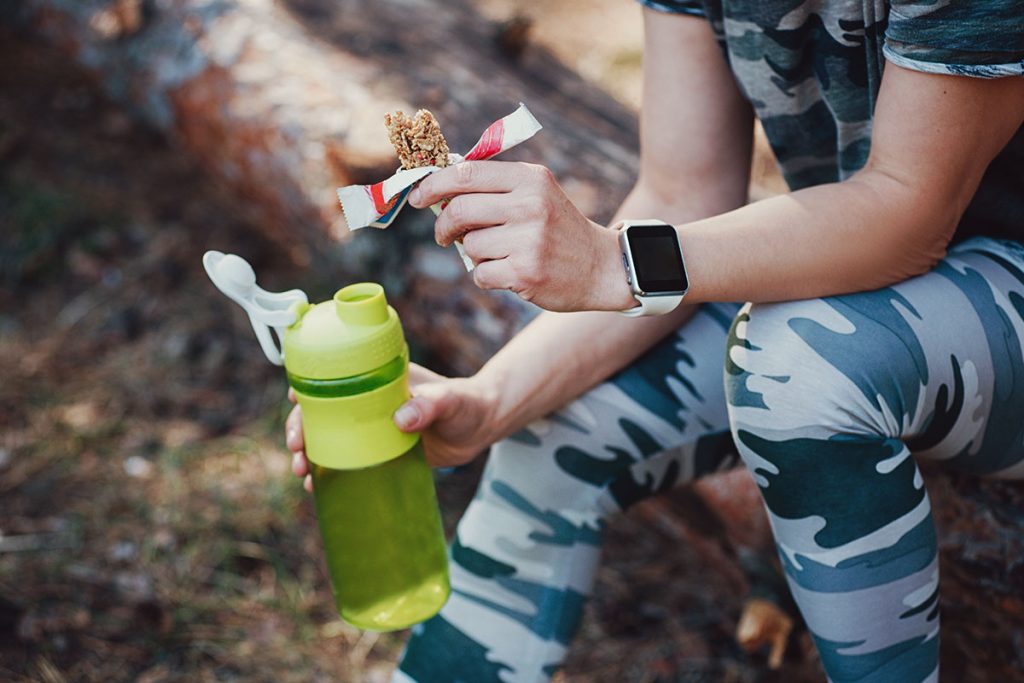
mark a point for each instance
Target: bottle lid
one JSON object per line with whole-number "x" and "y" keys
{"x": 353, "y": 333}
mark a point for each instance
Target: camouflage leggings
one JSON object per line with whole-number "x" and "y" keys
{"x": 825, "y": 399}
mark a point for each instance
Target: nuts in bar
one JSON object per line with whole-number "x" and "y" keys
{"x": 417, "y": 139}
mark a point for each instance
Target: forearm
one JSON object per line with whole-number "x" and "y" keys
{"x": 862, "y": 234}
{"x": 686, "y": 173}
{"x": 559, "y": 356}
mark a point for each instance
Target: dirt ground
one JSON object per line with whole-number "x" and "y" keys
{"x": 150, "y": 529}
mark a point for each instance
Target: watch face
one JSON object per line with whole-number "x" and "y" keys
{"x": 657, "y": 260}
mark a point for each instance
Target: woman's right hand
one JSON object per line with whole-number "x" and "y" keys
{"x": 454, "y": 414}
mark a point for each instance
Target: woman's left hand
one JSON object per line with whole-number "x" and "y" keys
{"x": 524, "y": 234}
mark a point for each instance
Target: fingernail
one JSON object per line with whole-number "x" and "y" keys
{"x": 414, "y": 197}
{"x": 296, "y": 463}
{"x": 290, "y": 436}
{"x": 406, "y": 416}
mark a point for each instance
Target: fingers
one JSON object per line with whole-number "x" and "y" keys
{"x": 300, "y": 466}
{"x": 414, "y": 415}
{"x": 497, "y": 274}
{"x": 293, "y": 430}
{"x": 467, "y": 177}
{"x": 468, "y": 212}
{"x": 490, "y": 244}
{"x": 308, "y": 483}
{"x": 291, "y": 395}
{"x": 295, "y": 441}
{"x": 432, "y": 402}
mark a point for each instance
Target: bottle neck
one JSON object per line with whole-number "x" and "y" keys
{"x": 350, "y": 386}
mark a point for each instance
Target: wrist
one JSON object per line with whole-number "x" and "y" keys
{"x": 493, "y": 417}
{"x": 610, "y": 290}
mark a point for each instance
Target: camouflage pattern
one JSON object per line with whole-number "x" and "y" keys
{"x": 812, "y": 71}
{"x": 827, "y": 399}
{"x": 526, "y": 551}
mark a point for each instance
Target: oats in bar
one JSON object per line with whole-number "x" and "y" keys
{"x": 417, "y": 140}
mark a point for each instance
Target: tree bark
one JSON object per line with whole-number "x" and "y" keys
{"x": 284, "y": 101}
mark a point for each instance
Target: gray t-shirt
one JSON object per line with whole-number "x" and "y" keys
{"x": 812, "y": 69}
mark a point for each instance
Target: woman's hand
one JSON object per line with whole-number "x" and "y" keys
{"x": 295, "y": 441}
{"x": 524, "y": 234}
{"x": 455, "y": 416}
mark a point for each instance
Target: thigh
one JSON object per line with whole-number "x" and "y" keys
{"x": 831, "y": 397}
{"x": 936, "y": 362}
{"x": 972, "y": 412}
{"x": 660, "y": 422}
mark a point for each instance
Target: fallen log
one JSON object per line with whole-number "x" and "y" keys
{"x": 283, "y": 101}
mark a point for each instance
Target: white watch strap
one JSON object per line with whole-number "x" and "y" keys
{"x": 653, "y": 305}
{"x": 649, "y": 305}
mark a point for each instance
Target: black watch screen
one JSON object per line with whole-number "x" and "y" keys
{"x": 657, "y": 259}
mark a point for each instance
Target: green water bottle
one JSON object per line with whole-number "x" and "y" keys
{"x": 348, "y": 362}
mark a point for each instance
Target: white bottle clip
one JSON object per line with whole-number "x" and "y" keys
{"x": 234, "y": 277}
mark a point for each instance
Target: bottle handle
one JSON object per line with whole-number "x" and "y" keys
{"x": 271, "y": 348}
{"x": 236, "y": 279}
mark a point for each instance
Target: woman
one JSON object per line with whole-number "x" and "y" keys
{"x": 886, "y": 325}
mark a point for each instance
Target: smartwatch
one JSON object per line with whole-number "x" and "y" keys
{"x": 654, "y": 265}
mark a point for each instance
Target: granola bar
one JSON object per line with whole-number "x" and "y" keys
{"x": 418, "y": 140}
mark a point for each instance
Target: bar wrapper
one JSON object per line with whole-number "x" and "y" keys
{"x": 377, "y": 205}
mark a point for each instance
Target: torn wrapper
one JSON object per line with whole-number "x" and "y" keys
{"x": 376, "y": 205}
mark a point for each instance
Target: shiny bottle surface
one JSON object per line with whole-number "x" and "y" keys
{"x": 380, "y": 524}
{"x": 383, "y": 540}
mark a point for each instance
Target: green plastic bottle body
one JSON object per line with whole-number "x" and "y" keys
{"x": 384, "y": 543}
{"x": 380, "y": 524}
{"x": 348, "y": 363}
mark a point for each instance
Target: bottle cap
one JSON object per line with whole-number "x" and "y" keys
{"x": 354, "y": 333}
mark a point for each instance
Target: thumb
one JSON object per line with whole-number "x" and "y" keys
{"x": 431, "y": 403}
{"x": 420, "y": 375}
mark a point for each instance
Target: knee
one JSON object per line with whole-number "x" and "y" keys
{"x": 809, "y": 407}
{"x": 817, "y": 367}
{"x": 769, "y": 365}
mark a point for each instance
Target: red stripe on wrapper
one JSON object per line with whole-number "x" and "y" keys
{"x": 377, "y": 194}
{"x": 489, "y": 143}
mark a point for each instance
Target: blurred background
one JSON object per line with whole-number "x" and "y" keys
{"x": 149, "y": 527}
